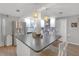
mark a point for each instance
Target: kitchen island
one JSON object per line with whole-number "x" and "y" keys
{"x": 29, "y": 46}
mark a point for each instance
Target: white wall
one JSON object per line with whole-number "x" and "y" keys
{"x": 73, "y": 33}
{"x": 63, "y": 26}
{"x": 8, "y": 27}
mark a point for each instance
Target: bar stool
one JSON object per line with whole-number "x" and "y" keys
{"x": 62, "y": 48}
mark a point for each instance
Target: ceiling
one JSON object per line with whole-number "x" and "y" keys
{"x": 52, "y": 9}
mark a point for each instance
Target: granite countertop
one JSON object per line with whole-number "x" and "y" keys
{"x": 38, "y": 44}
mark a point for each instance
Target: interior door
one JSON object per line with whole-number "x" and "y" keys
{"x": 2, "y": 32}
{"x": 1, "y": 36}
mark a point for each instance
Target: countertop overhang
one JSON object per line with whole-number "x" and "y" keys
{"x": 38, "y": 45}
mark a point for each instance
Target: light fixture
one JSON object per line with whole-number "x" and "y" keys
{"x": 46, "y": 18}
{"x": 35, "y": 14}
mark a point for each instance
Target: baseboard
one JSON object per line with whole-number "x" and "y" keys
{"x": 8, "y": 46}
{"x": 70, "y": 42}
{"x": 73, "y": 43}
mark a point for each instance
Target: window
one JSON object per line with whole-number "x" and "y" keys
{"x": 30, "y": 24}
{"x": 28, "y": 21}
{"x": 52, "y": 22}
{"x": 42, "y": 23}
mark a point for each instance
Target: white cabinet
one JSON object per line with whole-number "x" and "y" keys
{"x": 22, "y": 49}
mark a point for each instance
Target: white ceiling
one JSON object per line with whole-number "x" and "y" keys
{"x": 26, "y": 9}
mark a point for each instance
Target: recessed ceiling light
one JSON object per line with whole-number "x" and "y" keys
{"x": 17, "y": 10}
{"x": 60, "y": 12}
{"x": 7, "y": 15}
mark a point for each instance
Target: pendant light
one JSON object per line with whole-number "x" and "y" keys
{"x": 35, "y": 14}
{"x": 46, "y": 18}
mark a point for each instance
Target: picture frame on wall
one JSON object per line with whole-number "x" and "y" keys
{"x": 74, "y": 24}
